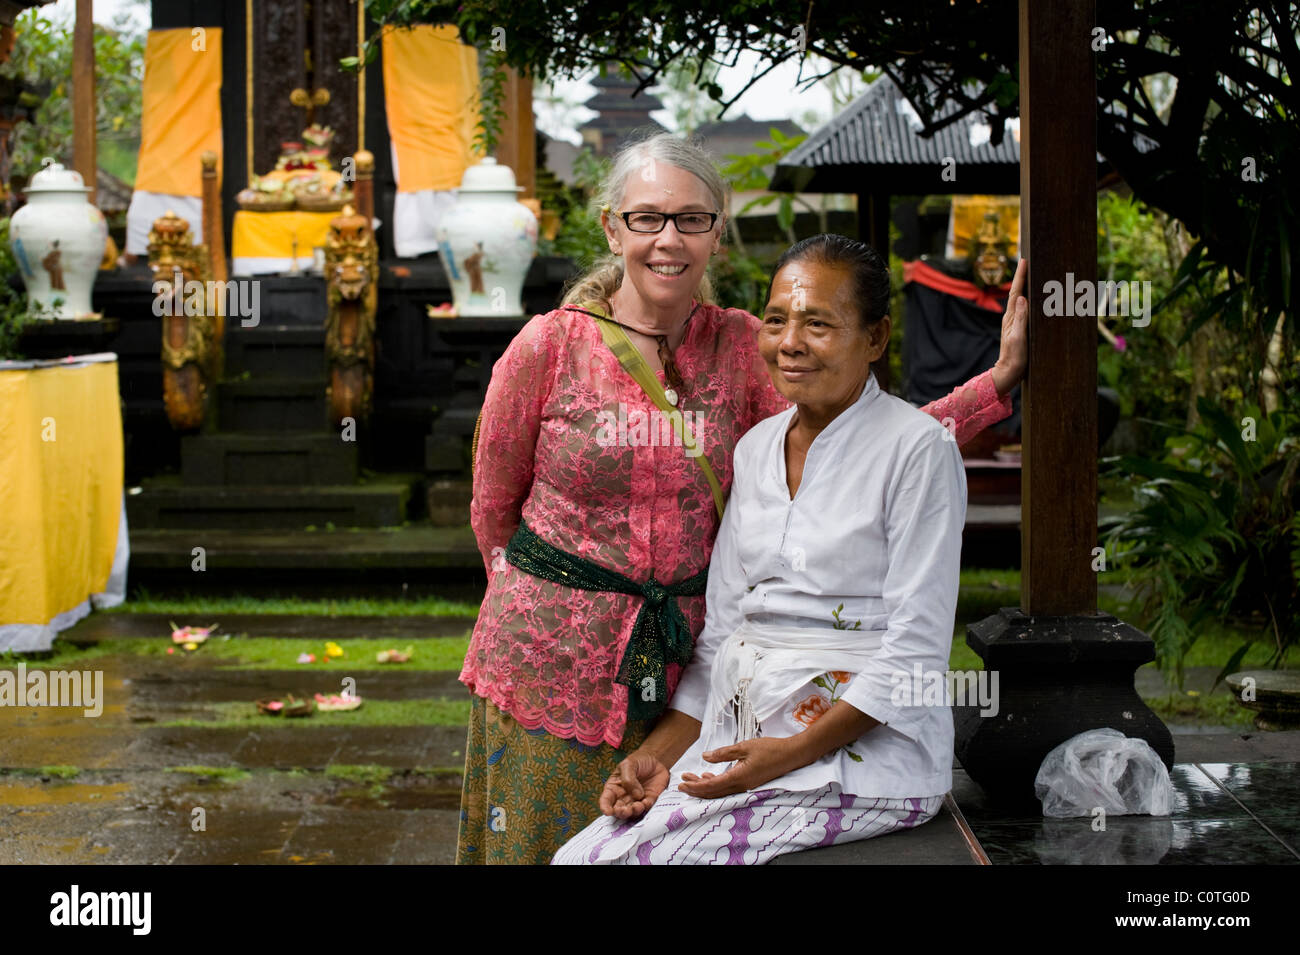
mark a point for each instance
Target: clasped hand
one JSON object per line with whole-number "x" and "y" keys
{"x": 641, "y": 778}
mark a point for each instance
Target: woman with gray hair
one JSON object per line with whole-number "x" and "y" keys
{"x": 601, "y": 469}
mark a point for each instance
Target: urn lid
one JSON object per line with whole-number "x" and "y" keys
{"x": 487, "y": 176}
{"x": 54, "y": 178}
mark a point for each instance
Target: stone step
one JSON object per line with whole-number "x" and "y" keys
{"x": 280, "y": 458}
{"x": 261, "y": 507}
{"x": 275, "y": 351}
{"x": 272, "y": 404}
{"x": 292, "y": 300}
{"x": 394, "y": 555}
{"x": 448, "y": 502}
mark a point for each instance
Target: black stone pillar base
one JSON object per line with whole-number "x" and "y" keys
{"x": 1057, "y": 677}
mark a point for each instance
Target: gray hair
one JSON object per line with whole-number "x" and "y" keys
{"x": 606, "y": 274}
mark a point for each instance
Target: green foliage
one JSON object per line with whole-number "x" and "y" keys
{"x": 492, "y": 111}
{"x": 15, "y": 312}
{"x": 42, "y": 61}
{"x": 1152, "y": 374}
{"x": 1184, "y": 352}
{"x": 1214, "y": 533}
{"x": 13, "y": 302}
{"x": 740, "y": 280}
{"x": 684, "y": 93}
{"x": 61, "y": 771}
{"x": 224, "y": 774}
{"x": 580, "y": 237}
{"x": 754, "y": 170}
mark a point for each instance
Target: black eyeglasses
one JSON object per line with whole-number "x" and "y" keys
{"x": 688, "y": 223}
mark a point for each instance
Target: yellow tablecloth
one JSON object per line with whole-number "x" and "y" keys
{"x": 60, "y": 490}
{"x": 270, "y": 235}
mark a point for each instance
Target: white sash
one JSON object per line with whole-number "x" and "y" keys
{"x": 759, "y": 666}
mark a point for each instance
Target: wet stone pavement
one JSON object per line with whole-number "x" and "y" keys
{"x": 124, "y": 788}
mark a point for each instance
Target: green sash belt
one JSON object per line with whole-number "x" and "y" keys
{"x": 660, "y": 635}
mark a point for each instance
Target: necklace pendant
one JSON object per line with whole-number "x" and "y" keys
{"x": 671, "y": 396}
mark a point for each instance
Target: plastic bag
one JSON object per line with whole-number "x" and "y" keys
{"x": 1103, "y": 768}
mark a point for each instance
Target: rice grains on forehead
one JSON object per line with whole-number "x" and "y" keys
{"x": 869, "y": 272}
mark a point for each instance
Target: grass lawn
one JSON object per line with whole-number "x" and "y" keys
{"x": 187, "y": 605}
{"x": 265, "y": 653}
{"x": 427, "y": 712}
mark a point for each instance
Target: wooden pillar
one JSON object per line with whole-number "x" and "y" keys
{"x": 1058, "y": 227}
{"x": 517, "y": 147}
{"x": 363, "y": 193}
{"x": 1062, "y": 667}
{"x": 213, "y": 233}
{"x": 83, "y": 97}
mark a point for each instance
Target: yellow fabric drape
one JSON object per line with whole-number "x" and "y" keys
{"x": 431, "y": 93}
{"x": 181, "y": 111}
{"x": 271, "y": 234}
{"x": 60, "y": 488}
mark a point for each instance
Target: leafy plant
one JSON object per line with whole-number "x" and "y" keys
{"x": 580, "y": 237}
{"x": 740, "y": 279}
{"x": 492, "y": 109}
{"x": 41, "y": 61}
{"x": 13, "y": 302}
{"x": 753, "y": 171}
{"x": 1215, "y": 533}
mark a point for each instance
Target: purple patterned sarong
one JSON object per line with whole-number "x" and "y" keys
{"x": 745, "y": 829}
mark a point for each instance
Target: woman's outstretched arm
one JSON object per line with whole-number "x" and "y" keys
{"x": 985, "y": 399}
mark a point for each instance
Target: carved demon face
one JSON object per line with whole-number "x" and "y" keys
{"x": 992, "y": 268}
{"x": 349, "y": 262}
{"x": 352, "y": 277}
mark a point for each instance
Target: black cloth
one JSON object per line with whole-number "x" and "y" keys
{"x": 947, "y": 341}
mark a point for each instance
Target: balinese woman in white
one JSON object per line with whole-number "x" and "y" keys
{"x": 833, "y": 579}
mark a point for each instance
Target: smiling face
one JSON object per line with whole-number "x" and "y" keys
{"x": 817, "y": 351}
{"x": 663, "y": 269}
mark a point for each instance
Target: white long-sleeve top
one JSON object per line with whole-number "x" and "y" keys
{"x": 870, "y": 543}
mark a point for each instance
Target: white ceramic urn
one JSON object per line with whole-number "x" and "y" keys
{"x": 486, "y": 243}
{"x": 58, "y": 241}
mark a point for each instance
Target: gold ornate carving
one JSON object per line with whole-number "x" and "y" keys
{"x": 352, "y": 276}
{"x": 309, "y": 101}
{"x": 991, "y": 266}
{"x": 190, "y": 349}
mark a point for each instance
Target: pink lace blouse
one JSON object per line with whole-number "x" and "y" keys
{"x": 571, "y": 444}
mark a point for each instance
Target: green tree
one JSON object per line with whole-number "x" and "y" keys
{"x": 684, "y": 94}
{"x": 42, "y": 61}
